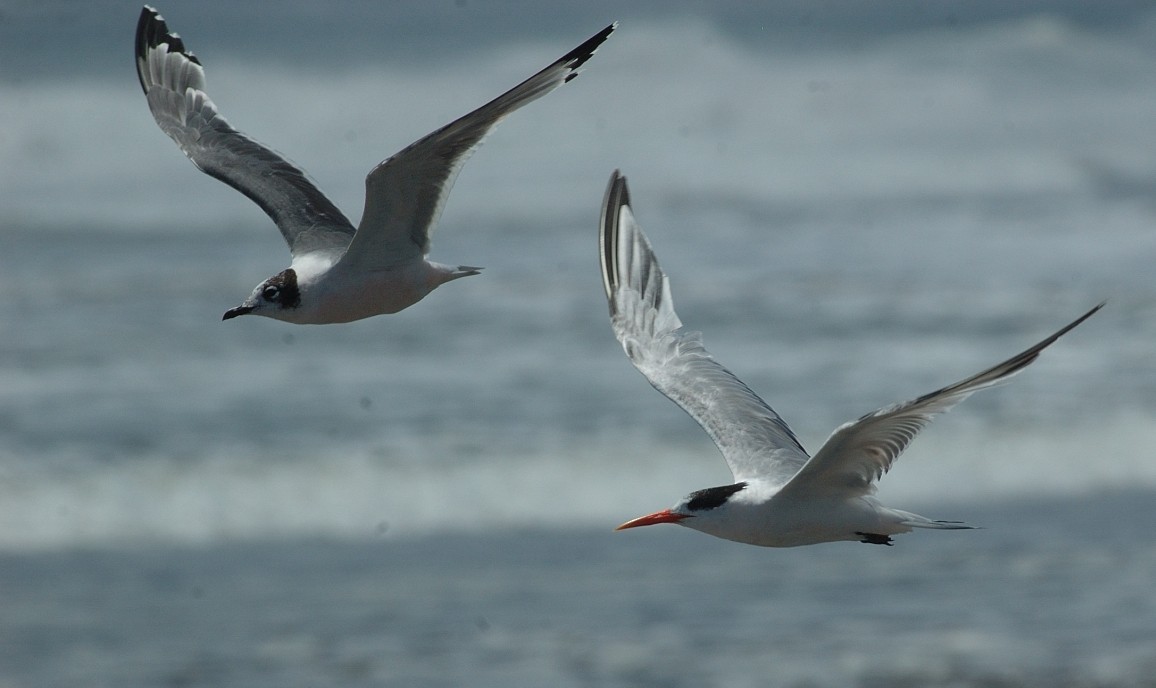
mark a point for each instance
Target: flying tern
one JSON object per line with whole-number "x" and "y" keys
{"x": 338, "y": 273}
{"x": 781, "y": 496}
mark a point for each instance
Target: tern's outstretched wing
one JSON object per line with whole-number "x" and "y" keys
{"x": 859, "y": 452}
{"x": 404, "y": 195}
{"x": 753, "y": 439}
{"x": 174, "y": 83}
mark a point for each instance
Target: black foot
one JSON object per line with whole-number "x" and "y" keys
{"x": 875, "y": 539}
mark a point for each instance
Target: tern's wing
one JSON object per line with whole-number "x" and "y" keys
{"x": 174, "y": 83}
{"x": 404, "y": 195}
{"x": 860, "y": 452}
{"x": 753, "y": 439}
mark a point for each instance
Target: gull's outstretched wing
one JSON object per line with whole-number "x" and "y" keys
{"x": 753, "y": 439}
{"x": 174, "y": 83}
{"x": 405, "y": 194}
{"x": 859, "y": 452}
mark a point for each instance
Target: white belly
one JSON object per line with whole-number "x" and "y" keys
{"x": 341, "y": 297}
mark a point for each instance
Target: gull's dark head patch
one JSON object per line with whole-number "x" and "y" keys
{"x": 712, "y": 497}
{"x": 282, "y": 290}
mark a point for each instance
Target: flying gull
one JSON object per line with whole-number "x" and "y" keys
{"x": 338, "y": 273}
{"x": 781, "y": 496}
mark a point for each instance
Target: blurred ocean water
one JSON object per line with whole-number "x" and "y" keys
{"x": 855, "y": 207}
{"x": 1056, "y": 593}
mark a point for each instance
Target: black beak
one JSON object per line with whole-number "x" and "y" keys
{"x": 234, "y": 312}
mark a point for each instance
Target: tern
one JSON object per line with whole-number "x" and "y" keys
{"x": 337, "y": 273}
{"x": 781, "y": 497}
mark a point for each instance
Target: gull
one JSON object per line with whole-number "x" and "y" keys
{"x": 781, "y": 497}
{"x": 338, "y": 273}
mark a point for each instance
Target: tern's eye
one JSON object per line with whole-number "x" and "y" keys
{"x": 270, "y": 293}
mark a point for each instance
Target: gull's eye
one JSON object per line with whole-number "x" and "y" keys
{"x": 270, "y": 293}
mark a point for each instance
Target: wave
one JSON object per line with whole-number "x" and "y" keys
{"x": 598, "y": 485}
{"x": 746, "y": 122}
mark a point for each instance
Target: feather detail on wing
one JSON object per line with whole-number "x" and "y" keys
{"x": 754, "y": 440}
{"x": 174, "y": 82}
{"x": 405, "y": 194}
{"x": 860, "y": 452}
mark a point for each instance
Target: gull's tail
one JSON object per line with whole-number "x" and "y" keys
{"x": 464, "y": 271}
{"x": 916, "y": 521}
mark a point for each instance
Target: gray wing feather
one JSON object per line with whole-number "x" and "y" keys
{"x": 405, "y": 194}
{"x": 174, "y": 82}
{"x": 860, "y": 452}
{"x": 753, "y": 439}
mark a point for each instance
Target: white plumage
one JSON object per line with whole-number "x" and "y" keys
{"x": 338, "y": 274}
{"x": 781, "y": 497}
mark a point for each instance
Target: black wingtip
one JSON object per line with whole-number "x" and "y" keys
{"x": 578, "y": 56}
{"x": 617, "y": 195}
{"x": 1026, "y": 358}
{"x": 617, "y": 192}
{"x": 151, "y": 31}
{"x": 1018, "y": 362}
{"x": 1070, "y": 326}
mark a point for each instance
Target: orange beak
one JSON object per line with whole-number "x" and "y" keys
{"x": 664, "y": 516}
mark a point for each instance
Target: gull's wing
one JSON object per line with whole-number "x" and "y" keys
{"x": 860, "y": 452}
{"x": 174, "y": 83}
{"x": 405, "y": 194}
{"x": 753, "y": 439}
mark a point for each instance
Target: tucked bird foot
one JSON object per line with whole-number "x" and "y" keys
{"x": 875, "y": 538}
